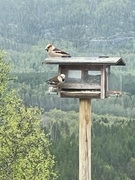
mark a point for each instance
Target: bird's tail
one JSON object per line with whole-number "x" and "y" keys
{"x": 66, "y": 56}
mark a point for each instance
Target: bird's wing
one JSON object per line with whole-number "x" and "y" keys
{"x": 60, "y": 52}
{"x": 53, "y": 80}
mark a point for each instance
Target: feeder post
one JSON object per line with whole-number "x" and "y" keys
{"x": 85, "y": 139}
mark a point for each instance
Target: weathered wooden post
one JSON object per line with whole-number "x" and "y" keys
{"x": 85, "y": 78}
{"x": 85, "y": 139}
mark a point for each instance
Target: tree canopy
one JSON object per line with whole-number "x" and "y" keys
{"x": 24, "y": 148}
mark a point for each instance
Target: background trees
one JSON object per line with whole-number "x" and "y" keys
{"x": 83, "y": 28}
{"x": 87, "y": 28}
{"x": 24, "y": 148}
{"x": 112, "y": 145}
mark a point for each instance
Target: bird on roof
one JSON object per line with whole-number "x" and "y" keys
{"x": 56, "y": 81}
{"x": 54, "y": 52}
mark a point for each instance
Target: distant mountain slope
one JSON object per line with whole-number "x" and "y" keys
{"x": 69, "y": 20}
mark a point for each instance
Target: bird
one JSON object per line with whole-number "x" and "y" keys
{"x": 56, "y": 81}
{"x": 54, "y": 52}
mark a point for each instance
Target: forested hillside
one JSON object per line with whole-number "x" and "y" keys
{"x": 93, "y": 28}
{"x": 82, "y": 28}
{"x": 113, "y": 147}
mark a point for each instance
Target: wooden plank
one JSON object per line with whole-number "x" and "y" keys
{"x": 85, "y": 139}
{"x": 80, "y": 94}
{"x": 80, "y": 86}
{"x": 103, "y": 82}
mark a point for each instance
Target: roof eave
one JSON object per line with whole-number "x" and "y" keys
{"x": 118, "y": 61}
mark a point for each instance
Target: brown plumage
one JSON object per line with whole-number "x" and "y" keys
{"x": 54, "y": 52}
{"x": 57, "y": 80}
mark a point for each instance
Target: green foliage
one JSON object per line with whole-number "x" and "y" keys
{"x": 113, "y": 150}
{"x": 24, "y": 148}
{"x": 4, "y": 71}
{"x": 83, "y": 28}
{"x": 113, "y": 146}
{"x": 63, "y": 129}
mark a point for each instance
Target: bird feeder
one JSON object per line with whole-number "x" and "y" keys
{"x": 85, "y": 76}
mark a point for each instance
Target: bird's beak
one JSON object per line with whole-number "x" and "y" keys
{"x": 46, "y": 49}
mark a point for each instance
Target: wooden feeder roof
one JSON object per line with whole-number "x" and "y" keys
{"x": 101, "y": 60}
